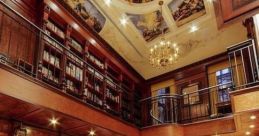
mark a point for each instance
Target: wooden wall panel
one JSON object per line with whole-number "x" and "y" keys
{"x": 5, "y": 128}
{"x": 245, "y": 100}
{"x": 227, "y": 13}
{"x": 16, "y": 40}
{"x": 220, "y": 126}
{"x": 164, "y": 130}
{"x": 28, "y": 8}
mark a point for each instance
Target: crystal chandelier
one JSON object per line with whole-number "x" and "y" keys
{"x": 164, "y": 53}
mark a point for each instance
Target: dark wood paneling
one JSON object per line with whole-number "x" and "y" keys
{"x": 28, "y": 8}
{"x": 227, "y": 14}
{"x": 17, "y": 40}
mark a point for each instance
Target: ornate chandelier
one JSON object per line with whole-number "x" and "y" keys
{"x": 164, "y": 53}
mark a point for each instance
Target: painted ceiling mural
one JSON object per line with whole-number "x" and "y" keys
{"x": 150, "y": 25}
{"x": 184, "y": 11}
{"x": 138, "y": 1}
{"x": 88, "y": 12}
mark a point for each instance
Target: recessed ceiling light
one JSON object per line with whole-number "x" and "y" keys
{"x": 123, "y": 21}
{"x": 28, "y": 130}
{"x": 108, "y": 2}
{"x": 252, "y": 126}
{"x": 92, "y": 41}
{"x": 54, "y": 121}
{"x": 248, "y": 133}
{"x": 194, "y": 28}
{"x": 91, "y": 132}
{"x": 75, "y": 26}
{"x": 253, "y": 117}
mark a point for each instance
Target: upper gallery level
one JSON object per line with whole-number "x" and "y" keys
{"x": 43, "y": 42}
{"x": 56, "y": 60}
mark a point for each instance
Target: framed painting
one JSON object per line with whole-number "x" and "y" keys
{"x": 191, "y": 96}
{"x": 184, "y": 11}
{"x": 150, "y": 25}
{"x": 87, "y": 12}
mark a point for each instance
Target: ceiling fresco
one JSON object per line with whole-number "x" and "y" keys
{"x": 184, "y": 11}
{"x": 150, "y": 25}
{"x": 138, "y": 1}
{"x": 88, "y": 12}
{"x": 144, "y": 24}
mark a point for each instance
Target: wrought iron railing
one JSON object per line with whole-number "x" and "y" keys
{"x": 211, "y": 102}
{"x": 33, "y": 52}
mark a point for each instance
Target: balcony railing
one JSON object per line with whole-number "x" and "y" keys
{"x": 211, "y": 102}
{"x": 31, "y": 51}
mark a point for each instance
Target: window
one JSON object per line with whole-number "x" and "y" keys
{"x": 224, "y": 77}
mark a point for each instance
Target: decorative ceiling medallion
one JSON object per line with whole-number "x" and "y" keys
{"x": 149, "y": 25}
{"x": 88, "y": 12}
{"x": 138, "y": 1}
{"x": 184, "y": 11}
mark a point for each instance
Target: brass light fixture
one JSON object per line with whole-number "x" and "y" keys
{"x": 164, "y": 53}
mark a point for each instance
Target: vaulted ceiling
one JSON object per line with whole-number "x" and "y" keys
{"x": 131, "y": 29}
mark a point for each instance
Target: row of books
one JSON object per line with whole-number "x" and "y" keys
{"x": 96, "y": 61}
{"x": 74, "y": 58}
{"x": 97, "y": 87}
{"x": 110, "y": 82}
{"x": 49, "y": 75}
{"x": 76, "y": 45}
{"x": 51, "y": 59}
{"x": 74, "y": 71}
{"x": 113, "y": 97}
{"x": 72, "y": 86}
{"x": 89, "y": 95}
{"x": 55, "y": 29}
{"x": 52, "y": 43}
{"x": 96, "y": 74}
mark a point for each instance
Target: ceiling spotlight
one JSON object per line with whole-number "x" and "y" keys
{"x": 54, "y": 121}
{"x": 92, "y": 41}
{"x": 123, "y": 20}
{"x": 75, "y": 26}
{"x": 28, "y": 130}
{"x": 248, "y": 133}
{"x": 108, "y": 2}
{"x": 194, "y": 28}
{"x": 252, "y": 126}
{"x": 91, "y": 132}
{"x": 253, "y": 117}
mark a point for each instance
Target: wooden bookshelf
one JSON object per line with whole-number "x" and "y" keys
{"x": 72, "y": 64}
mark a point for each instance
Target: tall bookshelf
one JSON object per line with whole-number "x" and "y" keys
{"x": 113, "y": 89}
{"x": 72, "y": 64}
{"x": 52, "y": 61}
